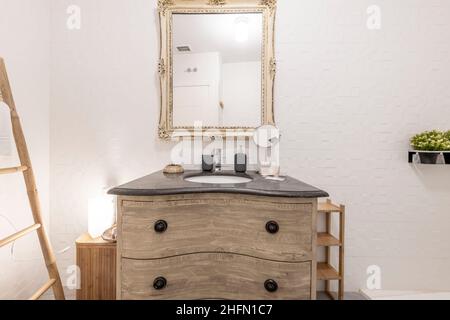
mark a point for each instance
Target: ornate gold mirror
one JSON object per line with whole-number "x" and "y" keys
{"x": 217, "y": 66}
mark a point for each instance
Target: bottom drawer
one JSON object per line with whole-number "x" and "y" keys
{"x": 215, "y": 276}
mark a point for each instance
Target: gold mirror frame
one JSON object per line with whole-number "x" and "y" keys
{"x": 166, "y": 9}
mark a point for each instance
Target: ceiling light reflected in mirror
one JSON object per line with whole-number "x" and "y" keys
{"x": 241, "y": 29}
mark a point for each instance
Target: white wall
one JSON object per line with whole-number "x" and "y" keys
{"x": 196, "y": 93}
{"x": 214, "y": 33}
{"x": 24, "y": 44}
{"x": 242, "y": 94}
{"x": 105, "y": 107}
{"x": 347, "y": 100}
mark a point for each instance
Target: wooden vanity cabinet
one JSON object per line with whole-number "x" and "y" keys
{"x": 216, "y": 246}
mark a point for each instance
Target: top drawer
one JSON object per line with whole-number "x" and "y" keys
{"x": 255, "y": 226}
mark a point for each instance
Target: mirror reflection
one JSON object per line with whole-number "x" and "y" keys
{"x": 217, "y": 69}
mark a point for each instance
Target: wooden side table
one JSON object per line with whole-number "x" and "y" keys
{"x": 96, "y": 259}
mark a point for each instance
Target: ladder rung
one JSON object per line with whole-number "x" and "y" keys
{"x": 13, "y": 170}
{"x": 43, "y": 289}
{"x": 19, "y": 234}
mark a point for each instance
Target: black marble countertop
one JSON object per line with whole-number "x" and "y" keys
{"x": 159, "y": 183}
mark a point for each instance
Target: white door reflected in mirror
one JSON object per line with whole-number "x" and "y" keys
{"x": 217, "y": 69}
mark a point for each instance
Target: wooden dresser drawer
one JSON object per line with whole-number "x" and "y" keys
{"x": 214, "y": 276}
{"x": 217, "y": 223}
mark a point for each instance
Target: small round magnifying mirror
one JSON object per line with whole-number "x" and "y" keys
{"x": 266, "y": 136}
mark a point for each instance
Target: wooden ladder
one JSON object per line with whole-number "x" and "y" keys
{"x": 27, "y": 170}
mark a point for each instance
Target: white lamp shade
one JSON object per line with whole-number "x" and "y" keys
{"x": 101, "y": 215}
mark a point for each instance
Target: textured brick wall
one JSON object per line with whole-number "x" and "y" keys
{"x": 347, "y": 100}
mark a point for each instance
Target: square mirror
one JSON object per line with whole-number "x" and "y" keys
{"x": 217, "y": 66}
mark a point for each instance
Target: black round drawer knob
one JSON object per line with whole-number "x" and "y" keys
{"x": 161, "y": 226}
{"x": 271, "y": 285}
{"x": 272, "y": 227}
{"x": 160, "y": 283}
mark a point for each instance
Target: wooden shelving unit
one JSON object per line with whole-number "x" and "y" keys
{"x": 325, "y": 271}
{"x": 327, "y": 240}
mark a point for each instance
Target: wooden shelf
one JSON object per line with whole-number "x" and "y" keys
{"x": 326, "y": 272}
{"x": 327, "y": 240}
{"x": 328, "y": 207}
{"x": 13, "y": 170}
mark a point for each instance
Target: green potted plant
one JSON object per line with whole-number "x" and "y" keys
{"x": 430, "y": 141}
{"x": 447, "y": 155}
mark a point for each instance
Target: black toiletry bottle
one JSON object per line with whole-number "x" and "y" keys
{"x": 240, "y": 162}
{"x": 207, "y": 163}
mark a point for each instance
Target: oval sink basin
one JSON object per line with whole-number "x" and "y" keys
{"x": 218, "y": 179}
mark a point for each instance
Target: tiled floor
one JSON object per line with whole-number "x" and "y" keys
{"x": 405, "y": 295}
{"x": 70, "y": 295}
{"x": 347, "y": 296}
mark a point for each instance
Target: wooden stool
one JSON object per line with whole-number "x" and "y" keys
{"x": 325, "y": 270}
{"x": 96, "y": 259}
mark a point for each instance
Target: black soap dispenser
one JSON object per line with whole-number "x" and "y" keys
{"x": 207, "y": 163}
{"x": 240, "y": 162}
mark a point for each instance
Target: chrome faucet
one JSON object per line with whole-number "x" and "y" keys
{"x": 217, "y": 160}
